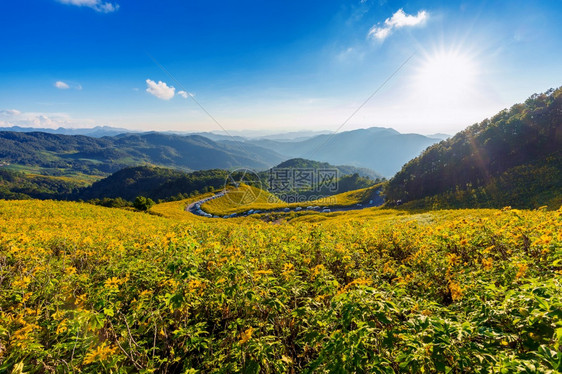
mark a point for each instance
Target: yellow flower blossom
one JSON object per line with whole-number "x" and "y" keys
{"x": 195, "y": 286}
{"x": 487, "y": 263}
{"x": 113, "y": 283}
{"x": 246, "y": 335}
{"x": 62, "y": 327}
{"x": 263, "y": 272}
{"x": 22, "y": 283}
{"x": 100, "y": 353}
{"x": 317, "y": 270}
{"x": 456, "y": 291}
{"x": 521, "y": 270}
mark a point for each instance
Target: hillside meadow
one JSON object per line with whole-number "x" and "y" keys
{"x": 90, "y": 289}
{"x": 244, "y": 198}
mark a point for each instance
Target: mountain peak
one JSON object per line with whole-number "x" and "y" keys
{"x": 382, "y": 130}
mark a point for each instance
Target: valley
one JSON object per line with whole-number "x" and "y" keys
{"x": 223, "y": 275}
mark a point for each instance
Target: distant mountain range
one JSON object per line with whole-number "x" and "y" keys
{"x": 381, "y": 149}
{"x": 249, "y": 134}
{"x": 96, "y": 132}
{"x": 513, "y": 158}
{"x": 99, "y": 156}
{"x": 105, "y": 150}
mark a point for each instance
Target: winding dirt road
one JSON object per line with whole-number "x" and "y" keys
{"x": 195, "y": 208}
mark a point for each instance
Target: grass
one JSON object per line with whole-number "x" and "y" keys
{"x": 176, "y": 209}
{"x": 349, "y": 198}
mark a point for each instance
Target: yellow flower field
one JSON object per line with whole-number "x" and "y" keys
{"x": 92, "y": 289}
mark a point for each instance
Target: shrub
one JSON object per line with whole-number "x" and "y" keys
{"x": 143, "y": 203}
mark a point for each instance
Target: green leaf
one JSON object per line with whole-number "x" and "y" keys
{"x": 108, "y": 312}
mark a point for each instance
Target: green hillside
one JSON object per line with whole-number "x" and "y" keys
{"x": 55, "y": 154}
{"x": 18, "y": 185}
{"x": 513, "y": 158}
{"x": 301, "y": 180}
{"x": 153, "y": 182}
{"x": 163, "y": 183}
{"x": 301, "y": 163}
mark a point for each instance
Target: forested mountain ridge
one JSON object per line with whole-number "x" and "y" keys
{"x": 57, "y": 153}
{"x": 512, "y": 158}
{"x": 157, "y": 183}
{"x": 301, "y": 163}
{"x": 96, "y": 132}
{"x": 383, "y": 150}
{"x": 153, "y": 182}
{"x": 168, "y": 184}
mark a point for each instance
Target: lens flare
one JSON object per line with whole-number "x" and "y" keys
{"x": 446, "y": 76}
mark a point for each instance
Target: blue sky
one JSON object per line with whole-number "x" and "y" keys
{"x": 284, "y": 65}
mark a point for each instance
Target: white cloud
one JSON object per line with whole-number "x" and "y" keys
{"x": 398, "y": 20}
{"x": 9, "y": 112}
{"x": 185, "y": 94}
{"x": 161, "y": 90}
{"x": 379, "y": 33}
{"x": 401, "y": 19}
{"x": 65, "y": 86}
{"x": 13, "y": 117}
{"x": 350, "y": 55}
{"x": 97, "y": 5}
{"x": 61, "y": 85}
{"x": 107, "y": 7}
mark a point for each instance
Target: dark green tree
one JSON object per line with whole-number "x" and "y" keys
{"x": 142, "y": 203}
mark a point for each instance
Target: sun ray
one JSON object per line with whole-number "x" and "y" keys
{"x": 446, "y": 77}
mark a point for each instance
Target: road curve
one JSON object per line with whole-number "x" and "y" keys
{"x": 195, "y": 208}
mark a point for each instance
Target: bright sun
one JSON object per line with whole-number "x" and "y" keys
{"x": 446, "y": 77}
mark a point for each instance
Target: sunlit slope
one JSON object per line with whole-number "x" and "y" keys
{"x": 246, "y": 198}
{"x": 514, "y": 158}
{"x": 177, "y": 209}
{"x": 100, "y": 290}
{"x": 349, "y": 198}
{"x": 22, "y": 183}
{"x": 240, "y": 199}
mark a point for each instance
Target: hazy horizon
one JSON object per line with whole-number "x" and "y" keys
{"x": 237, "y": 132}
